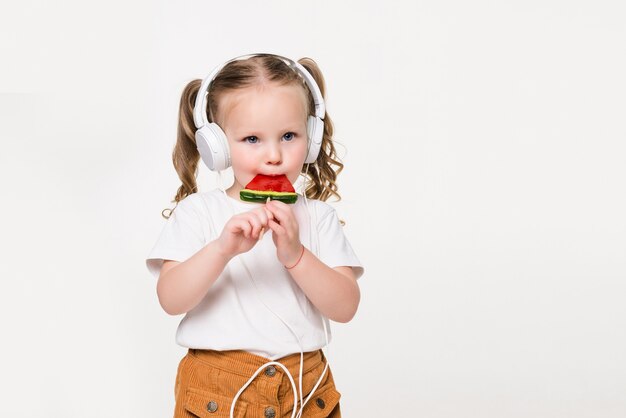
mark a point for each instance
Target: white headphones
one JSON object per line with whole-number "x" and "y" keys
{"x": 211, "y": 139}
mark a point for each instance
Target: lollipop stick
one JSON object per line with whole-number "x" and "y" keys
{"x": 263, "y": 228}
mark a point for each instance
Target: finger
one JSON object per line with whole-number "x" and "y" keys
{"x": 280, "y": 210}
{"x": 235, "y": 225}
{"x": 270, "y": 213}
{"x": 285, "y": 216}
{"x": 276, "y": 228}
{"x": 263, "y": 214}
{"x": 242, "y": 226}
{"x": 279, "y": 204}
{"x": 263, "y": 219}
{"x": 256, "y": 224}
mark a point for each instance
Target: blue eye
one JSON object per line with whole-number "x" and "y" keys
{"x": 289, "y": 136}
{"x": 251, "y": 139}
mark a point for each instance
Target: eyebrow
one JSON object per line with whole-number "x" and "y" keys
{"x": 255, "y": 131}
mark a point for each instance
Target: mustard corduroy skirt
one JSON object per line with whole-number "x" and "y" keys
{"x": 207, "y": 381}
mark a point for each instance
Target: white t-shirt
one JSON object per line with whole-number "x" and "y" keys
{"x": 232, "y": 315}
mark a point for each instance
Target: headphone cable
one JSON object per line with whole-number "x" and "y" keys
{"x": 255, "y": 374}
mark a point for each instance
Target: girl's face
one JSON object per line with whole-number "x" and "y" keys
{"x": 266, "y": 130}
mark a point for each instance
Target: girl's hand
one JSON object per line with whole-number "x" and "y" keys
{"x": 285, "y": 232}
{"x": 243, "y": 231}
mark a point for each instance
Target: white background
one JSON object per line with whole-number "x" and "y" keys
{"x": 484, "y": 145}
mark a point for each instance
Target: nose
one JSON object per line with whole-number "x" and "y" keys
{"x": 274, "y": 154}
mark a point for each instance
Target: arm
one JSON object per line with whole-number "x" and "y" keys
{"x": 334, "y": 292}
{"x": 181, "y": 286}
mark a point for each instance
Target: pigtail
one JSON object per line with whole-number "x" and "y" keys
{"x": 185, "y": 155}
{"x": 327, "y": 167}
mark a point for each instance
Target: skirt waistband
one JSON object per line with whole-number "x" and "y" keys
{"x": 245, "y": 364}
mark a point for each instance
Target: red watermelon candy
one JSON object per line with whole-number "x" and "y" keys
{"x": 275, "y": 187}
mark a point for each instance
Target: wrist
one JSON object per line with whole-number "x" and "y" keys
{"x": 221, "y": 252}
{"x": 297, "y": 260}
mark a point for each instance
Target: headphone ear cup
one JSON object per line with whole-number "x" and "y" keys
{"x": 315, "y": 132}
{"x": 213, "y": 147}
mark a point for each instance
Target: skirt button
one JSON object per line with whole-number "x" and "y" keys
{"x": 211, "y": 406}
{"x": 320, "y": 403}
{"x": 269, "y": 412}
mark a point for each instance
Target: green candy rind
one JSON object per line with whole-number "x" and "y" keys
{"x": 261, "y": 197}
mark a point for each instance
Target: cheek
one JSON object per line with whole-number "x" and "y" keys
{"x": 301, "y": 151}
{"x": 238, "y": 155}
{"x": 241, "y": 166}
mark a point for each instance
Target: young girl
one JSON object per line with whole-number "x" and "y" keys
{"x": 257, "y": 282}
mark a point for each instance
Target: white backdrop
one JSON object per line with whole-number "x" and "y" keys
{"x": 484, "y": 145}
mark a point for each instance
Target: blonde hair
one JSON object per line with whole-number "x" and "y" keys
{"x": 235, "y": 75}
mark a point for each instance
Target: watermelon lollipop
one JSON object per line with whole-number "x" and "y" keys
{"x": 275, "y": 187}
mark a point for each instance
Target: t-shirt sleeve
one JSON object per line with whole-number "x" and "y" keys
{"x": 181, "y": 237}
{"x": 334, "y": 248}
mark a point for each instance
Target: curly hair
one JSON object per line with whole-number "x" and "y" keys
{"x": 241, "y": 74}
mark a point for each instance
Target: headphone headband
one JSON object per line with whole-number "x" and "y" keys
{"x": 200, "y": 113}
